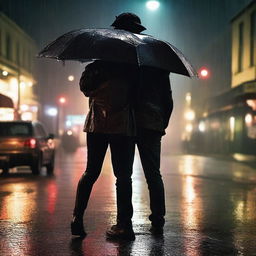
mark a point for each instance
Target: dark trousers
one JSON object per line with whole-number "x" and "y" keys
{"x": 149, "y": 146}
{"x": 122, "y": 156}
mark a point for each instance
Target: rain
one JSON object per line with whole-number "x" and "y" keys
{"x": 208, "y": 152}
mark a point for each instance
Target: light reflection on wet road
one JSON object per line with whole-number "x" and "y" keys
{"x": 211, "y": 210}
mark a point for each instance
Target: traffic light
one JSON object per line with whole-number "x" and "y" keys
{"x": 204, "y": 73}
{"x": 62, "y": 100}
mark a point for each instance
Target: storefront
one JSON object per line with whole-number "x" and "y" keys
{"x": 17, "y": 51}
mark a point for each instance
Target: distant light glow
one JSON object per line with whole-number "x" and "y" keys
{"x": 71, "y": 78}
{"x": 251, "y": 103}
{"x": 26, "y": 116}
{"x": 232, "y": 121}
{"x": 248, "y": 119}
{"x": 6, "y": 114}
{"x": 5, "y": 73}
{"x": 22, "y": 85}
{"x": 215, "y": 125}
{"x": 34, "y": 108}
{"x": 204, "y": 73}
{"x": 24, "y": 107}
{"x": 201, "y": 126}
{"x": 188, "y": 97}
{"x": 152, "y": 5}
{"x": 189, "y": 127}
{"x": 52, "y": 111}
{"x": 190, "y": 115}
{"x": 68, "y": 123}
{"x": 62, "y": 100}
{"x": 69, "y": 132}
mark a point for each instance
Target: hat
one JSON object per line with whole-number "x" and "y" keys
{"x": 128, "y": 21}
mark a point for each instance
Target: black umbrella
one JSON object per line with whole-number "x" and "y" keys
{"x": 118, "y": 46}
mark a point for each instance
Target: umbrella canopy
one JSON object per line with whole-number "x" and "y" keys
{"x": 118, "y": 46}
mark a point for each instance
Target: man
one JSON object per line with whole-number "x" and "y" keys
{"x": 110, "y": 121}
{"x": 153, "y": 109}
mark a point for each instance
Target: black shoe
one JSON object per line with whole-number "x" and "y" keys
{"x": 156, "y": 230}
{"x": 121, "y": 232}
{"x": 77, "y": 227}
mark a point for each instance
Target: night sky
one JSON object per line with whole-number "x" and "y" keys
{"x": 199, "y": 28}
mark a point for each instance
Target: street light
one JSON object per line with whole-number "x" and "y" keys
{"x": 52, "y": 111}
{"x": 5, "y": 73}
{"x": 152, "y": 5}
{"x": 71, "y": 78}
{"x": 190, "y": 115}
{"x": 62, "y": 101}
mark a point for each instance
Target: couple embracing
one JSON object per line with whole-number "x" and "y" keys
{"x": 129, "y": 106}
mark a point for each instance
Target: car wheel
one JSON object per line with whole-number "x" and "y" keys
{"x": 37, "y": 165}
{"x": 50, "y": 166}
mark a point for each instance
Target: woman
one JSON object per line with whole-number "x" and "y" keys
{"x": 110, "y": 121}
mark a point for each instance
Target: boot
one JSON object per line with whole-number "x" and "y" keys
{"x": 77, "y": 227}
{"x": 119, "y": 231}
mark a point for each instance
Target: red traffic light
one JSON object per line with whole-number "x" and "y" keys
{"x": 204, "y": 73}
{"x": 62, "y": 100}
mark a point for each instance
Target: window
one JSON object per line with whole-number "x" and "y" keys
{"x": 18, "y": 53}
{"x": 253, "y": 38}
{"x": 40, "y": 131}
{"x": 15, "y": 129}
{"x": 24, "y": 57}
{"x": 240, "y": 46}
{"x": 8, "y": 47}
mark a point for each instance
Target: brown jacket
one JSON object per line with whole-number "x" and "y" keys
{"x": 109, "y": 87}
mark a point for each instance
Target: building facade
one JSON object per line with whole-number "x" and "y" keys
{"x": 228, "y": 124}
{"x": 17, "y": 53}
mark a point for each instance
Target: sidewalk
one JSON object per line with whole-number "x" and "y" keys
{"x": 238, "y": 157}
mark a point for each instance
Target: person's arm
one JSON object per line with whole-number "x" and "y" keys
{"x": 93, "y": 76}
{"x": 88, "y": 79}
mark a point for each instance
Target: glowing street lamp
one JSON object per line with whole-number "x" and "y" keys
{"x": 52, "y": 111}
{"x": 189, "y": 128}
{"x": 190, "y": 115}
{"x": 62, "y": 100}
{"x": 152, "y": 5}
{"x": 5, "y": 73}
{"x": 71, "y": 78}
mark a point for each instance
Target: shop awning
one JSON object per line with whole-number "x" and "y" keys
{"x": 6, "y": 102}
{"x": 233, "y": 96}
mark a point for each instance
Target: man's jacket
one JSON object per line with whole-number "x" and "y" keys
{"x": 154, "y": 102}
{"x": 110, "y": 88}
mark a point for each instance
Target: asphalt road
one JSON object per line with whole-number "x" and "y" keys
{"x": 211, "y": 210}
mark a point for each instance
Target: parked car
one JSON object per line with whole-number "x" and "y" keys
{"x": 26, "y": 143}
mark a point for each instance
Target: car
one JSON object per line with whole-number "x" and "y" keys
{"x": 26, "y": 143}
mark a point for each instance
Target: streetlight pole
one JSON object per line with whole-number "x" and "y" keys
{"x": 61, "y": 101}
{"x": 53, "y": 113}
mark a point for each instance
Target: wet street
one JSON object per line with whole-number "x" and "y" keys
{"x": 211, "y": 210}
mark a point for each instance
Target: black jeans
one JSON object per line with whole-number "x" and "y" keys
{"x": 149, "y": 146}
{"x": 122, "y": 156}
